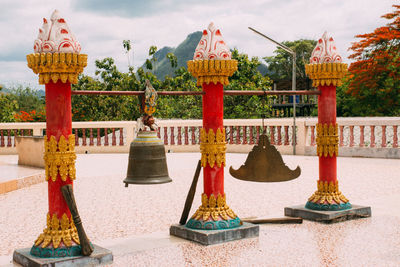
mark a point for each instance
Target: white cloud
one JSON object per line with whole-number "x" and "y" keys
{"x": 101, "y": 35}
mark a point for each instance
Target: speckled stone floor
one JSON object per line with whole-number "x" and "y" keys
{"x": 134, "y": 222}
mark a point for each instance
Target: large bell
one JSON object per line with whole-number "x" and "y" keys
{"x": 147, "y": 162}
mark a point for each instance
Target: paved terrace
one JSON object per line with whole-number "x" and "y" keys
{"x": 134, "y": 222}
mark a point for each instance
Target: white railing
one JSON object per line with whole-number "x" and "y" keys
{"x": 365, "y": 137}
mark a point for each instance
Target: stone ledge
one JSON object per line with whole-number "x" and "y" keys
{"x": 328, "y": 216}
{"x": 211, "y": 237}
{"x": 99, "y": 256}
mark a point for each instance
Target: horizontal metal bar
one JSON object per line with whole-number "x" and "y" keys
{"x": 291, "y": 92}
{"x": 135, "y": 93}
{"x": 230, "y": 92}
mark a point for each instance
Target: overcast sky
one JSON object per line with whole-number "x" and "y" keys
{"x": 101, "y": 26}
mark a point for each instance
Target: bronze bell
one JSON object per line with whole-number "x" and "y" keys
{"x": 147, "y": 161}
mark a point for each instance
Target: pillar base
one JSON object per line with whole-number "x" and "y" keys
{"x": 211, "y": 237}
{"x": 327, "y": 216}
{"x": 99, "y": 256}
{"x": 213, "y": 225}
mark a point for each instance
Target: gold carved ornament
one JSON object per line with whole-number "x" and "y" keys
{"x": 57, "y": 66}
{"x": 212, "y": 147}
{"x": 327, "y": 139}
{"x": 326, "y": 73}
{"x": 59, "y": 158}
{"x": 328, "y": 192}
{"x": 214, "y": 208}
{"x": 210, "y": 70}
{"x": 57, "y": 231}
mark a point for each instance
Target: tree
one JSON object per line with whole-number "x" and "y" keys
{"x": 374, "y": 77}
{"x": 247, "y": 77}
{"x": 8, "y": 105}
{"x": 280, "y": 66}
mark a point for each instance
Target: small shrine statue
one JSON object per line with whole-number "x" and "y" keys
{"x": 147, "y": 107}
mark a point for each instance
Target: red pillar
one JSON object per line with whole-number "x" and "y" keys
{"x": 327, "y": 71}
{"x": 213, "y": 110}
{"x": 327, "y": 115}
{"x": 212, "y": 65}
{"x": 58, "y": 123}
{"x": 58, "y": 63}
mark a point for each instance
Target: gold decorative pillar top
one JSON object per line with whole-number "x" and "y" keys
{"x": 212, "y": 60}
{"x": 57, "y": 51}
{"x": 326, "y": 67}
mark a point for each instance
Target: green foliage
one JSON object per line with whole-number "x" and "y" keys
{"x": 8, "y": 105}
{"x": 247, "y": 77}
{"x": 281, "y": 65}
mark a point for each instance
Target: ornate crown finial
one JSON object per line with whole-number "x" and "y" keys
{"x": 325, "y": 51}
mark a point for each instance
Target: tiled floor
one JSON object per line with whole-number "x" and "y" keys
{"x": 134, "y": 222}
{"x": 14, "y": 176}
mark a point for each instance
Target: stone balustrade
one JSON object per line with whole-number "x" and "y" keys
{"x": 364, "y": 137}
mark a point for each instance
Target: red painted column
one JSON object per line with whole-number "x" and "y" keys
{"x": 213, "y": 112}
{"x": 58, "y": 123}
{"x": 327, "y": 115}
{"x": 58, "y": 63}
{"x": 327, "y": 71}
{"x": 212, "y": 65}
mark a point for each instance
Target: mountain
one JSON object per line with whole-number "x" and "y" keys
{"x": 183, "y": 52}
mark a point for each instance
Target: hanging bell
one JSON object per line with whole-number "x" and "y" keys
{"x": 264, "y": 164}
{"x": 147, "y": 161}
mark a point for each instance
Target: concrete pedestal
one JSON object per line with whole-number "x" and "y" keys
{"x": 211, "y": 237}
{"x": 328, "y": 216}
{"x": 99, "y": 256}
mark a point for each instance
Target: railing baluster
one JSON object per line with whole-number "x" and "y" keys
{"x": 395, "y": 136}
{"x": 186, "y": 136}
{"x": 372, "y": 136}
{"x": 113, "y": 137}
{"x": 165, "y": 135}
{"x": 121, "y": 136}
{"x": 272, "y": 134}
{"x": 383, "y": 144}
{"x": 179, "y": 136}
{"x": 351, "y": 136}
{"x": 286, "y": 135}
{"x": 230, "y": 134}
{"x": 341, "y": 138}
{"x": 1, "y": 138}
{"x": 362, "y": 135}
{"x": 83, "y": 137}
{"x": 15, "y": 137}
{"x": 91, "y": 142}
{"x": 312, "y": 135}
{"x": 98, "y": 143}
{"x": 257, "y": 133}
{"x": 8, "y": 138}
{"x": 159, "y": 132}
{"x": 279, "y": 135}
{"x": 106, "y": 136}
{"x": 172, "y": 135}
{"x": 76, "y": 138}
{"x": 199, "y": 133}
{"x": 193, "y": 135}
{"x": 237, "y": 135}
{"x": 244, "y": 135}
{"x": 251, "y": 136}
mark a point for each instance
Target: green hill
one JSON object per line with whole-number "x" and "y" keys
{"x": 183, "y": 52}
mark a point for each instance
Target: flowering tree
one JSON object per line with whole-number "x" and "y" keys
{"x": 374, "y": 78}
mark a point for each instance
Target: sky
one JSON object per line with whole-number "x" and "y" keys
{"x": 101, "y": 25}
